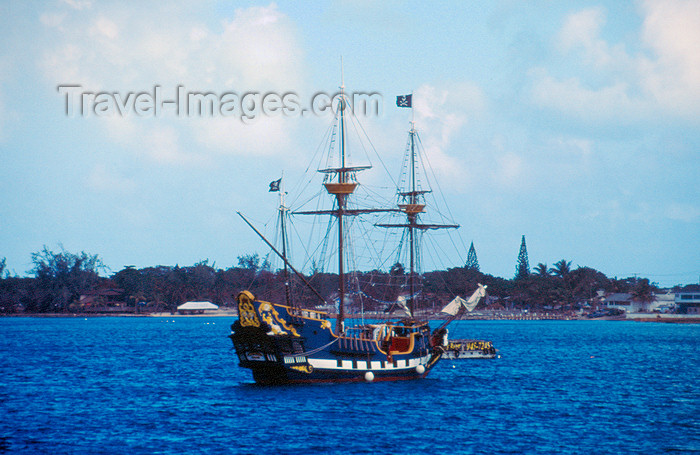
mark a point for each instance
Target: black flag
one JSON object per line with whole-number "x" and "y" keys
{"x": 275, "y": 185}
{"x": 404, "y": 100}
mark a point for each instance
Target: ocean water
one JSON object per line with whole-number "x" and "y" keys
{"x": 172, "y": 385}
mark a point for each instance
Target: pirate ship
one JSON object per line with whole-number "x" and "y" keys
{"x": 295, "y": 342}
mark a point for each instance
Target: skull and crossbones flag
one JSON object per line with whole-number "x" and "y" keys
{"x": 404, "y": 100}
{"x": 275, "y": 185}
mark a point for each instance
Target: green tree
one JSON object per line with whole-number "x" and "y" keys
{"x": 522, "y": 268}
{"x": 562, "y": 269}
{"x": 472, "y": 261}
{"x": 397, "y": 270}
{"x": 643, "y": 291}
{"x": 541, "y": 270}
{"x": 61, "y": 277}
{"x": 585, "y": 281}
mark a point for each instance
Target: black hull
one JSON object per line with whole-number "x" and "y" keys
{"x": 307, "y": 351}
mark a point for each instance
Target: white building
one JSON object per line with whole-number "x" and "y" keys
{"x": 663, "y": 302}
{"x": 196, "y": 307}
{"x": 688, "y": 299}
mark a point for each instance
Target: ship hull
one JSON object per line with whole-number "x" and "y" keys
{"x": 282, "y": 345}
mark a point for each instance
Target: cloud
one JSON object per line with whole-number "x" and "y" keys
{"x": 2, "y": 118}
{"x": 264, "y": 137}
{"x": 5, "y": 113}
{"x": 610, "y": 103}
{"x": 671, "y": 30}
{"x": 258, "y": 49}
{"x": 581, "y": 30}
{"x": 78, "y": 4}
{"x": 510, "y": 169}
{"x": 683, "y": 212}
{"x": 440, "y": 115}
{"x": 606, "y": 83}
{"x": 107, "y": 48}
{"x": 104, "y": 28}
{"x": 53, "y": 20}
{"x": 107, "y": 180}
{"x": 163, "y": 147}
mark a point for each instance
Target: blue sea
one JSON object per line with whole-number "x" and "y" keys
{"x": 172, "y": 385}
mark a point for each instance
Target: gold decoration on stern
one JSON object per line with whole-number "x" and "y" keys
{"x": 246, "y": 310}
{"x": 269, "y": 314}
{"x": 303, "y": 368}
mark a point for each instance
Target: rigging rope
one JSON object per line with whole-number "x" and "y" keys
{"x": 314, "y": 351}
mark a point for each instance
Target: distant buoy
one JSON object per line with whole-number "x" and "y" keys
{"x": 454, "y": 366}
{"x": 369, "y": 376}
{"x": 420, "y": 369}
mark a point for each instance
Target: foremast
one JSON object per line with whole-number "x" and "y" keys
{"x": 411, "y": 202}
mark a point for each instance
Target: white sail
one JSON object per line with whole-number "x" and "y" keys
{"x": 453, "y": 307}
{"x": 401, "y": 303}
{"x": 480, "y": 293}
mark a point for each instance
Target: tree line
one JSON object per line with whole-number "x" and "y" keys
{"x": 64, "y": 282}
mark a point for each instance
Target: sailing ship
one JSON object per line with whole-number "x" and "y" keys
{"x": 292, "y": 343}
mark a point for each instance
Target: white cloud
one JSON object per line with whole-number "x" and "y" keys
{"x": 52, "y": 19}
{"x": 440, "y": 114}
{"x": 683, "y": 212}
{"x": 581, "y": 30}
{"x": 104, "y": 28}
{"x": 609, "y": 103}
{"x": 612, "y": 85}
{"x": 510, "y": 169}
{"x": 163, "y": 146}
{"x": 78, "y": 4}
{"x": 2, "y": 118}
{"x": 265, "y": 136}
{"x": 108, "y": 181}
{"x": 5, "y": 65}
{"x": 107, "y": 48}
{"x": 671, "y": 30}
{"x": 258, "y": 49}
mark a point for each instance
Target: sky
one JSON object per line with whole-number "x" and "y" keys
{"x": 573, "y": 123}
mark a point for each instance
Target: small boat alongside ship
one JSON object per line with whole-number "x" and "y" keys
{"x": 469, "y": 349}
{"x": 298, "y": 343}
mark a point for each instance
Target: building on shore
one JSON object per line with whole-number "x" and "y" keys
{"x": 663, "y": 302}
{"x": 196, "y": 307}
{"x": 688, "y": 299}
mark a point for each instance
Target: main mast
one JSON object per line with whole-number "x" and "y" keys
{"x": 340, "y": 193}
{"x": 340, "y": 182}
{"x": 341, "y": 189}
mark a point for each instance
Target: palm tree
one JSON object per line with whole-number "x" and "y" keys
{"x": 541, "y": 270}
{"x": 562, "y": 269}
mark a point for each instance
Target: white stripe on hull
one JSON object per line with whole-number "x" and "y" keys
{"x": 374, "y": 365}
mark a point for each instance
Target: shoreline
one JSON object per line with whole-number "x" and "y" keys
{"x": 636, "y": 317}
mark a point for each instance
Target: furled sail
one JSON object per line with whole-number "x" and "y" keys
{"x": 458, "y": 302}
{"x": 453, "y": 307}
